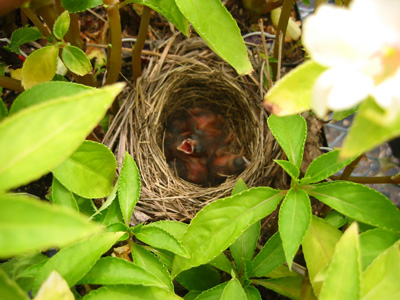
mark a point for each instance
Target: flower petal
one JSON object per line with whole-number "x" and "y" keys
{"x": 334, "y": 37}
{"x": 387, "y": 93}
{"x": 339, "y": 89}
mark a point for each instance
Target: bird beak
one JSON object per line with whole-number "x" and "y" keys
{"x": 187, "y": 146}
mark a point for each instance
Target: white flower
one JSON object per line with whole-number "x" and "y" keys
{"x": 361, "y": 47}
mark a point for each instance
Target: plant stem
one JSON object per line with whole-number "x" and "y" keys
{"x": 264, "y": 43}
{"x": 115, "y": 52}
{"x": 11, "y": 83}
{"x": 281, "y": 30}
{"x": 372, "y": 180}
{"x": 350, "y": 168}
{"x": 35, "y": 20}
{"x": 141, "y": 39}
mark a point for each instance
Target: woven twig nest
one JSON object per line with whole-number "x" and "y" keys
{"x": 192, "y": 76}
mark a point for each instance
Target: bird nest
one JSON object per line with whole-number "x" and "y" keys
{"x": 191, "y": 75}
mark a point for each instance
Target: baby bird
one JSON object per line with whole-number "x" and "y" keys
{"x": 226, "y": 164}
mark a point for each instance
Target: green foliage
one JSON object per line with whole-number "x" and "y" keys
{"x": 294, "y": 220}
{"x": 291, "y": 133}
{"x": 27, "y": 224}
{"x": 9, "y": 289}
{"x": 40, "y": 66}
{"x": 61, "y": 25}
{"x": 89, "y": 172}
{"x": 22, "y": 36}
{"x": 128, "y": 187}
{"x": 78, "y": 6}
{"x": 216, "y": 26}
{"x": 76, "y": 60}
{"x": 292, "y": 94}
{"x": 169, "y": 10}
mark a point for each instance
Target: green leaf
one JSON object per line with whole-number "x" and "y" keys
{"x": 244, "y": 246}
{"x": 216, "y": 26}
{"x": 114, "y": 270}
{"x": 294, "y": 220}
{"x": 174, "y": 228}
{"x": 287, "y": 286}
{"x": 40, "y": 66}
{"x": 220, "y": 223}
{"x": 344, "y": 271}
{"x": 76, "y": 60}
{"x": 131, "y": 292}
{"x": 61, "y": 25}
{"x": 373, "y": 242}
{"x": 160, "y": 238}
{"x": 340, "y": 115}
{"x": 152, "y": 264}
{"x": 336, "y": 219}
{"x": 240, "y": 186}
{"x": 200, "y": 278}
{"x": 78, "y": 6}
{"x": 252, "y": 293}
{"x": 110, "y": 215}
{"x": 223, "y": 263}
{"x": 3, "y": 110}
{"x": 55, "y": 287}
{"x": 108, "y": 202}
{"x": 380, "y": 126}
{"x": 233, "y": 291}
{"x": 381, "y": 279}
{"x": 62, "y": 196}
{"x": 22, "y": 36}
{"x": 47, "y": 91}
{"x": 291, "y": 133}
{"x": 359, "y": 202}
{"x": 170, "y": 11}
{"x": 128, "y": 187}
{"x": 318, "y": 248}
{"x": 56, "y": 129}
{"x": 269, "y": 258}
{"x": 9, "y": 290}
{"x": 27, "y": 224}
{"x": 89, "y": 172}
{"x": 325, "y": 165}
{"x": 292, "y": 94}
{"x": 289, "y": 168}
{"x": 74, "y": 261}
{"x": 214, "y": 293}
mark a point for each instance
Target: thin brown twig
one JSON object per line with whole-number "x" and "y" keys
{"x": 264, "y": 43}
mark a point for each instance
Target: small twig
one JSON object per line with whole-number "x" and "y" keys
{"x": 36, "y": 21}
{"x": 141, "y": 39}
{"x": 11, "y": 83}
{"x": 278, "y": 72}
{"x": 261, "y": 25}
{"x": 350, "y": 168}
{"x": 97, "y": 15}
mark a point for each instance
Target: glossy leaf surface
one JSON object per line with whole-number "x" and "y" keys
{"x": 294, "y": 220}
{"x": 289, "y": 168}
{"x": 22, "y": 36}
{"x": 71, "y": 266}
{"x": 360, "y": 203}
{"x": 292, "y": 94}
{"x": 78, "y": 6}
{"x": 61, "y": 25}
{"x": 89, "y": 172}
{"x": 270, "y": 257}
{"x": 286, "y": 286}
{"x": 344, "y": 271}
{"x": 325, "y": 165}
{"x": 62, "y": 196}
{"x": 114, "y": 270}
{"x": 56, "y": 129}
{"x": 216, "y": 26}
{"x": 131, "y": 292}
{"x": 381, "y": 279}
{"x": 27, "y": 224}
{"x": 76, "y": 60}
{"x": 233, "y": 291}
{"x": 291, "y": 133}
{"x": 318, "y": 248}
{"x": 170, "y": 11}
{"x": 40, "y": 66}
{"x": 128, "y": 187}
{"x": 221, "y": 222}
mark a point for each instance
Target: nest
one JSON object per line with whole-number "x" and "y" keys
{"x": 191, "y": 75}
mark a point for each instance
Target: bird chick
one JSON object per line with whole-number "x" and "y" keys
{"x": 226, "y": 164}
{"x": 206, "y": 121}
{"x": 191, "y": 168}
